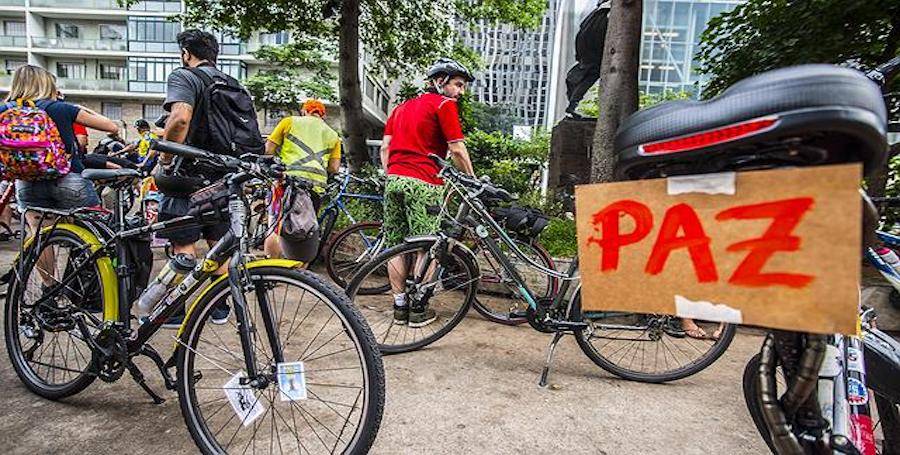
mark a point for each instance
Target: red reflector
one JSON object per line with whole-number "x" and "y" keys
{"x": 707, "y": 138}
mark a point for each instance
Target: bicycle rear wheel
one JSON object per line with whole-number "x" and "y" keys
{"x": 334, "y": 406}
{"x": 350, "y": 249}
{"x": 496, "y": 301}
{"x": 453, "y": 282}
{"x": 46, "y": 342}
{"x": 648, "y": 347}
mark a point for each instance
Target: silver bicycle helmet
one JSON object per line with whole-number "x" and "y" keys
{"x": 449, "y": 67}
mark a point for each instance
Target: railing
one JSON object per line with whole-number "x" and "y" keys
{"x": 105, "y": 85}
{"x": 151, "y": 6}
{"x": 77, "y": 43}
{"x": 13, "y": 41}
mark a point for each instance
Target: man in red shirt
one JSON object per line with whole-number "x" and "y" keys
{"x": 426, "y": 124}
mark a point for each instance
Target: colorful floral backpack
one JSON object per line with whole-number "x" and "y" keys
{"x": 30, "y": 145}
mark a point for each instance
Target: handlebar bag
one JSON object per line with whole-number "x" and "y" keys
{"x": 525, "y": 222}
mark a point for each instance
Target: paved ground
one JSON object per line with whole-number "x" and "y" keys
{"x": 473, "y": 391}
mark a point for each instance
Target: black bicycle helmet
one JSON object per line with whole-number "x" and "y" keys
{"x": 142, "y": 124}
{"x": 449, "y": 67}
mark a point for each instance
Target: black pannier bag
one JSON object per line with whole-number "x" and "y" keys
{"x": 523, "y": 222}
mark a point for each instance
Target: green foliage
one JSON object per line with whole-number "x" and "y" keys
{"x": 590, "y": 107}
{"x": 294, "y": 72}
{"x": 760, "y": 35}
{"x": 559, "y": 238}
{"x": 511, "y": 163}
{"x": 520, "y": 13}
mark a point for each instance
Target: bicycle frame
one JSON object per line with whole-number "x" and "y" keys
{"x": 337, "y": 202}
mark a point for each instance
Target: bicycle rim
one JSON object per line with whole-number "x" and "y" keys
{"x": 646, "y": 347}
{"x": 44, "y": 342}
{"x": 343, "y": 376}
{"x": 351, "y": 249}
{"x": 496, "y": 301}
{"x": 454, "y": 284}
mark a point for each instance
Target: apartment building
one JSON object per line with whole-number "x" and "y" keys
{"x": 116, "y": 61}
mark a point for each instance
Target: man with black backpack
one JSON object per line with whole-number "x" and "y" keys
{"x": 210, "y": 110}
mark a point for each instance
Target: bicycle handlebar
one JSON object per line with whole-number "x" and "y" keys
{"x": 478, "y": 186}
{"x": 267, "y": 166}
{"x": 885, "y": 72}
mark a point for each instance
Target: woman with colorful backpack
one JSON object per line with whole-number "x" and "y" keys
{"x": 38, "y": 148}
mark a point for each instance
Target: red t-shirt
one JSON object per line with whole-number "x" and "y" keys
{"x": 419, "y": 127}
{"x": 79, "y": 129}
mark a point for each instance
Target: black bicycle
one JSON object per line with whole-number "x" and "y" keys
{"x": 441, "y": 274}
{"x": 295, "y": 370}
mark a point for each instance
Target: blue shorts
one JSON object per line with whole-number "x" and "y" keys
{"x": 71, "y": 191}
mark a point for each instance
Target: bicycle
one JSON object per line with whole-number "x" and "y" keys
{"x": 806, "y": 393}
{"x": 297, "y": 347}
{"x": 340, "y": 194}
{"x": 446, "y": 280}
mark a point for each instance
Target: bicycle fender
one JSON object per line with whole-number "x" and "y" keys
{"x": 284, "y": 263}
{"x": 104, "y": 266}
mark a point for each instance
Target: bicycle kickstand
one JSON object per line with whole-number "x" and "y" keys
{"x": 550, "y": 351}
{"x": 139, "y": 379}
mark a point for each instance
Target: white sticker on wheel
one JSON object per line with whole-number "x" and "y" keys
{"x": 292, "y": 381}
{"x": 246, "y": 404}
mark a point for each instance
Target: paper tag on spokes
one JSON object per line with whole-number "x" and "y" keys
{"x": 247, "y": 405}
{"x": 292, "y": 381}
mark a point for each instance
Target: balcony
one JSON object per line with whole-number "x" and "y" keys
{"x": 12, "y": 2}
{"x": 5, "y": 80}
{"x": 95, "y": 85}
{"x": 13, "y": 41}
{"x": 82, "y": 44}
{"x": 150, "y": 6}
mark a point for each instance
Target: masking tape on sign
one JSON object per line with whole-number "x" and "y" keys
{"x": 706, "y": 311}
{"x": 720, "y": 183}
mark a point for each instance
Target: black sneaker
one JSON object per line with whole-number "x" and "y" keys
{"x": 219, "y": 314}
{"x": 421, "y": 317}
{"x": 401, "y": 314}
{"x": 174, "y": 322}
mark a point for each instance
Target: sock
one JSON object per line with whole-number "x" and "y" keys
{"x": 400, "y": 300}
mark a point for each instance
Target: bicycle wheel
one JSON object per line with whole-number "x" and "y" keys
{"x": 46, "y": 342}
{"x": 350, "y": 249}
{"x": 496, "y": 301}
{"x": 342, "y": 380}
{"x": 326, "y": 226}
{"x": 648, "y": 347}
{"x": 454, "y": 282}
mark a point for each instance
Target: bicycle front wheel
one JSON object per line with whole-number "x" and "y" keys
{"x": 649, "y": 347}
{"x": 447, "y": 289}
{"x": 352, "y": 248}
{"x": 325, "y": 395}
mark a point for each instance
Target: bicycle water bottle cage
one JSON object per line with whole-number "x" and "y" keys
{"x": 797, "y": 116}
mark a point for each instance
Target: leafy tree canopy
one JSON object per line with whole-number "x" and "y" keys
{"x": 294, "y": 72}
{"x": 760, "y": 35}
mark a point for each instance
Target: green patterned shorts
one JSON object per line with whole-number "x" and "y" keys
{"x": 407, "y": 203}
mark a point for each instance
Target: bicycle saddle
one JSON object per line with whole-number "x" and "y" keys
{"x": 801, "y": 115}
{"x": 107, "y": 174}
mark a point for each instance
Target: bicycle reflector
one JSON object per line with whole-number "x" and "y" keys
{"x": 708, "y": 138}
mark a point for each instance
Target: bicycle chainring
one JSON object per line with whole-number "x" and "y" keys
{"x": 113, "y": 354}
{"x": 536, "y": 318}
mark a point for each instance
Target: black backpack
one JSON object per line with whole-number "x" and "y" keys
{"x": 224, "y": 119}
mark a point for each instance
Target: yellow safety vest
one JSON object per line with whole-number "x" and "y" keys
{"x": 306, "y": 149}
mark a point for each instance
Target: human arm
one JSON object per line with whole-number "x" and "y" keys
{"x": 276, "y": 137}
{"x": 96, "y": 121}
{"x": 385, "y": 143}
{"x": 334, "y": 160}
{"x": 460, "y": 157}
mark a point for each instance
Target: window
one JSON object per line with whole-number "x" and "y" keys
{"x": 233, "y": 68}
{"x": 152, "y": 112}
{"x": 150, "y": 74}
{"x": 12, "y": 65}
{"x": 272, "y": 39}
{"x": 70, "y": 70}
{"x": 112, "y": 71}
{"x": 229, "y": 45}
{"x": 67, "y": 31}
{"x": 152, "y": 34}
{"x": 14, "y": 28}
{"x": 112, "y": 111}
{"x": 112, "y": 31}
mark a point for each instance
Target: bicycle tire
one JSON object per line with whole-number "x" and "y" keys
{"x": 885, "y": 402}
{"x": 325, "y": 234}
{"x": 377, "y": 317}
{"x": 351, "y": 323}
{"x": 342, "y": 274}
{"x": 697, "y": 365}
{"x": 505, "y": 318}
{"x": 16, "y": 296}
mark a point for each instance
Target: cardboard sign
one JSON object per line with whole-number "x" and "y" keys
{"x": 777, "y": 248}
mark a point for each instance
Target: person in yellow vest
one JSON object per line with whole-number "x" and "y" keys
{"x": 310, "y": 150}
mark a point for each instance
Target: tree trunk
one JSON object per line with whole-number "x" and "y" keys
{"x": 618, "y": 83}
{"x": 350, "y": 91}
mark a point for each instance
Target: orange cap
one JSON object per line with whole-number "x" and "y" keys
{"x": 314, "y": 106}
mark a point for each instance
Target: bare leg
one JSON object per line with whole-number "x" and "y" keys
{"x": 47, "y": 260}
{"x": 272, "y": 246}
{"x": 397, "y": 272}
